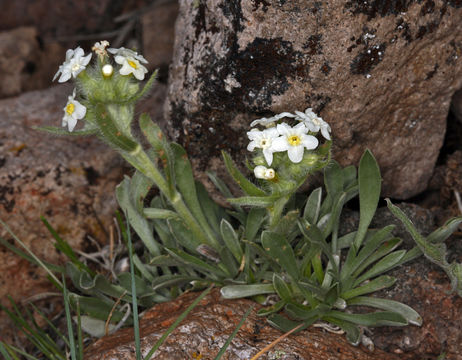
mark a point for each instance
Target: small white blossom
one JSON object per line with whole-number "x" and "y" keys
{"x": 270, "y": 121}
{"x": 313, "y": 122}
{"x": 263, "y": 140}
{"x": 74, "y": 64}
{"x": 126, "y": 53}
{"x": 294, "y": 140}
{"x": 261, "y": 172}
{"x": 72, "y": 112}
{"x": 100, "y": 48}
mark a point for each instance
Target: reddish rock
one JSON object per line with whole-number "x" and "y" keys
{"x": 70, "y": 181}
{"x": 382, "y": 75}
{"x": 207, "y": 327}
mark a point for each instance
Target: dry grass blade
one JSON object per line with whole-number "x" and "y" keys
{"x": 275, "y": 342}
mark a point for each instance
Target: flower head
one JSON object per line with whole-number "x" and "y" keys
{"x": 74, "y": 64}
{"x": 126, "y": 53}
{"x": 130, "y": 61}
{"x": 263, "y": 140}
{"x": 100, "y": 48}
{"x": 313, "y": 122}
{"x": 72, "y": 112}
{"x": 262, "y": 172}
{"x": 271, "y": 120}
{"x": 294, "y": 140}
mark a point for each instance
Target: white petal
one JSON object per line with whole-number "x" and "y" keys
{"x": 295, "y": 153}
{"x": 284, "y": 114}
{"x": 65, "y": 75}
{"x": 300, "y": 129}
{"x": 71, "y": 122}
{"x": 325, "y": 132}
{"x": 69, "y": 54}
{"x": 78, "y": 52}
{"x": 279, "y": 144}
{"x": 268, "y": 154}
{"x": 283, "y": 129}
{"x": 251, "y": 146}
{"x": 125, "y": 69}
{"x": 80, "y": 110}
{"x": 271, "y": 133}
{"x": 119, "y": 59}
{"x": 139, "y": 72}
{"x": 84, "y": 61}
{"x": 310, "y": 142}
{"x": 311, "y": 126}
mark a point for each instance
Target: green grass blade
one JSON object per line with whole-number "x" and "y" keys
{"x": 136, "y": 326}
{"x": 70, "y": 331}
{"x": 63, "y": 246}
{"x": 36, "y": 259}
{"x": 233, "y": 334}
{"x": 177, "y": 322}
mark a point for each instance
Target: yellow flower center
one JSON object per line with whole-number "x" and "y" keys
{"x": 75, "y": 67}
{"x": 294, "y": 140}
{"x": 132, "y": 64}
{"x": 70, "y": 108}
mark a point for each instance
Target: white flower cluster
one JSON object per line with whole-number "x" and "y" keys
{"x": 283, "y": 137}
{"x": 76, "y": 62}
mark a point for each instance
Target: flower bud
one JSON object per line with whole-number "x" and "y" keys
{"x": 269, "y": 174}
{"x": 259, "y": 172}
{"x": 107, "y": 70}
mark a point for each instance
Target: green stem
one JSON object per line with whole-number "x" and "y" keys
{"x": 142, "y": 163}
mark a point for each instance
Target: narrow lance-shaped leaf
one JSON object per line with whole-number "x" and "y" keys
{"x": 231, "y": 240}
{"x": 369, "y": 193}
{"x": 137, "y": 221}
{"x": 281, "y": 251}
{"x": 248, "y": 187}
{"x": 241, "y": 291}
{"x": 389, "y": 305}
{"x": 187, "y": 187}
{"x": 313, "y": 206}
{"x": 387, "y": 263}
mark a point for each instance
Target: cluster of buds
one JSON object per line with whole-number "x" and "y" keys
{"x": 105, "y": 92}
{"x": 282, "y": 144}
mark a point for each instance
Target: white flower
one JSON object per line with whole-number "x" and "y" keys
{"x": 269, "y": 121}
{"x": 130, "y": 61}
{"x": 261, "y": 172}
{"x": 127, "y": 53}
{"x": 313, "y": 122}
{"x": 100, "y": 48}
{"x": 294, "y": 140}
{"x": 263, "y": 140}
{"x": 72, "y": 112}
{"x": 74, "y": 64}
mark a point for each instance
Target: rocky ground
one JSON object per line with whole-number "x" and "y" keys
{"x": 70, "y": 181}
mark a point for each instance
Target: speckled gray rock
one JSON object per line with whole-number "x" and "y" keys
{"x": 381, "y": 73}
{"x": 70, "y": 181}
